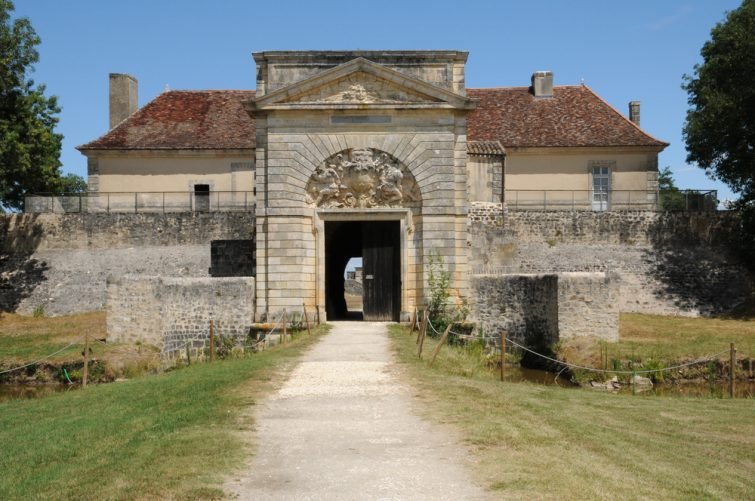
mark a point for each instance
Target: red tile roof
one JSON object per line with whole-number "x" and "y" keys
{"x": 216, "y": 119}
{"x": 574, "y": 116}
{"x": 209, "y": 119}
{"x": 485, "y": 148}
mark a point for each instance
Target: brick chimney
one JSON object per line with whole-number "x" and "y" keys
{"x": 634, "y": 112}
{"x": 542, "y": 84}
{"x": 124, "y": 98}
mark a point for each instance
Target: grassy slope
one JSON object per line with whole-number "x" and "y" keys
{"x": 24, "y": 338}
{"x": 154, "y": 437}
{"x": 549, "y": 443}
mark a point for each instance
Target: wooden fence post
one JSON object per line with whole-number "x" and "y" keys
{"x": 503, "y": 350}
{"x": 733, "y": 369}
{"x": 212, "y": 340}
{"x": 413, "y": 320}
{"x": 306, "y": 319}
{"x": 422, "y": 337}
{"x": 85, "y": 377}
{"x": 285, "y": 327}
{"x": 440, "y": 344}
{"x": 422, "y": 325}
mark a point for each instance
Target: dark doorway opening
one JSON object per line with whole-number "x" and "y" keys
{"x": 378, "y": 243}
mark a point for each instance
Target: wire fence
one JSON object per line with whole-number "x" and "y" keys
{"x": 566, "y": 365}
{"x": 46, "y": 357}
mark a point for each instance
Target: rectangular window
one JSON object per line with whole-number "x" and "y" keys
{"x": 601, "y": 188}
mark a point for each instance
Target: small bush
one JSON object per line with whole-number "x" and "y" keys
{"x": 39, "y": 311}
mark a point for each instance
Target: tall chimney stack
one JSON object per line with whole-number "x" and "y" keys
{"x": 634, "y": 112}
{"x": 542, "y": 84}
{"x": 124, "y": 99}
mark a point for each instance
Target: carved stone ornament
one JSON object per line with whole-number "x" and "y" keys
{"x": 362, "y": 178}
{"x": 361, "y": 88}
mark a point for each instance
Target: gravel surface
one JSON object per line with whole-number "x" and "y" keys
{"x": 342, "y": 427}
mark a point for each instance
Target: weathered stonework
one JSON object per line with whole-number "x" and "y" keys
{"x": 175, "y": 313}
{"x": 664, "y": 263}
{"x": 539, "y": 310}
{"x": 60, "y": 262}
{"x": 398, "y": 122}
{"x": 362, "y": 178}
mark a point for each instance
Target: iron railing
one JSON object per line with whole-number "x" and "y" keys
{"x": 144, "y": 201}
{"x": 690, "y": 200}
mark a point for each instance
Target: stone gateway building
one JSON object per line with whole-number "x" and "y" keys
{"x": 541, "y": 202}
{"x": 371, "y": 154}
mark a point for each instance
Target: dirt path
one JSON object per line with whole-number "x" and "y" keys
{"x": 342, "y": 427}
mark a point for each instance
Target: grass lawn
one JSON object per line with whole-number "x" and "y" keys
{"x": 156, "y": 437}
{"x": 542, "y": 442}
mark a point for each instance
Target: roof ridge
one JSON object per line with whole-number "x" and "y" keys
{"x": 625, "y": 118}
{"x": 524, "y": 87}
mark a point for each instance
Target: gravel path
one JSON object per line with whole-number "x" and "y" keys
{"x": 342, "y": 427}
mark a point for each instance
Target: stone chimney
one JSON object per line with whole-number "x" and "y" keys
{"x": 542, "y": 84}
{"x": 124, "y": 98}
{"x": 634, "y": 112}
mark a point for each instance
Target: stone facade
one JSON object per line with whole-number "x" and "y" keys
{"x": 175, "y": 313}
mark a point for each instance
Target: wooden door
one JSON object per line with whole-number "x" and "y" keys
{"x": 381, "y": 273}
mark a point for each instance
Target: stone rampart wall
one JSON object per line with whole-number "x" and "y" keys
{"x": 175, "y": 313}
{"x": 538, "y": 310}
{"x": 524, "y": 305}
{"x": 27, "y": 233}
{"x": 60, "y": 262}
{"x": 664, "y": 263}
{"x": 588, "y": 306}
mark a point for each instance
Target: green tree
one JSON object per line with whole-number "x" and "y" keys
{"x": 671, "y": 197}
{"x": 29, "y": 146}
{"x": 72, "y": 183}
{"x": 720, "y": 127}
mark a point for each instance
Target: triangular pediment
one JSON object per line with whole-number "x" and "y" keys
{"x": 360, "y": 83}
{"x": 361, "y": 88}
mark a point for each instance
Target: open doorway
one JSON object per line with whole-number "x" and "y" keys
{"x": 353, "y": 289}
{"x": 378, "y": 244}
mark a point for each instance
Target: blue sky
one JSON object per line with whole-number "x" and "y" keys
{"x": 636, "y": 50}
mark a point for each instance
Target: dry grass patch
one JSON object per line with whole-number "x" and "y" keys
{"x": 666, "y": 339}
{"x": 25, "y": 339}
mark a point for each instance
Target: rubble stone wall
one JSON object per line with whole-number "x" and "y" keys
{"x": 175, "y": 313}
